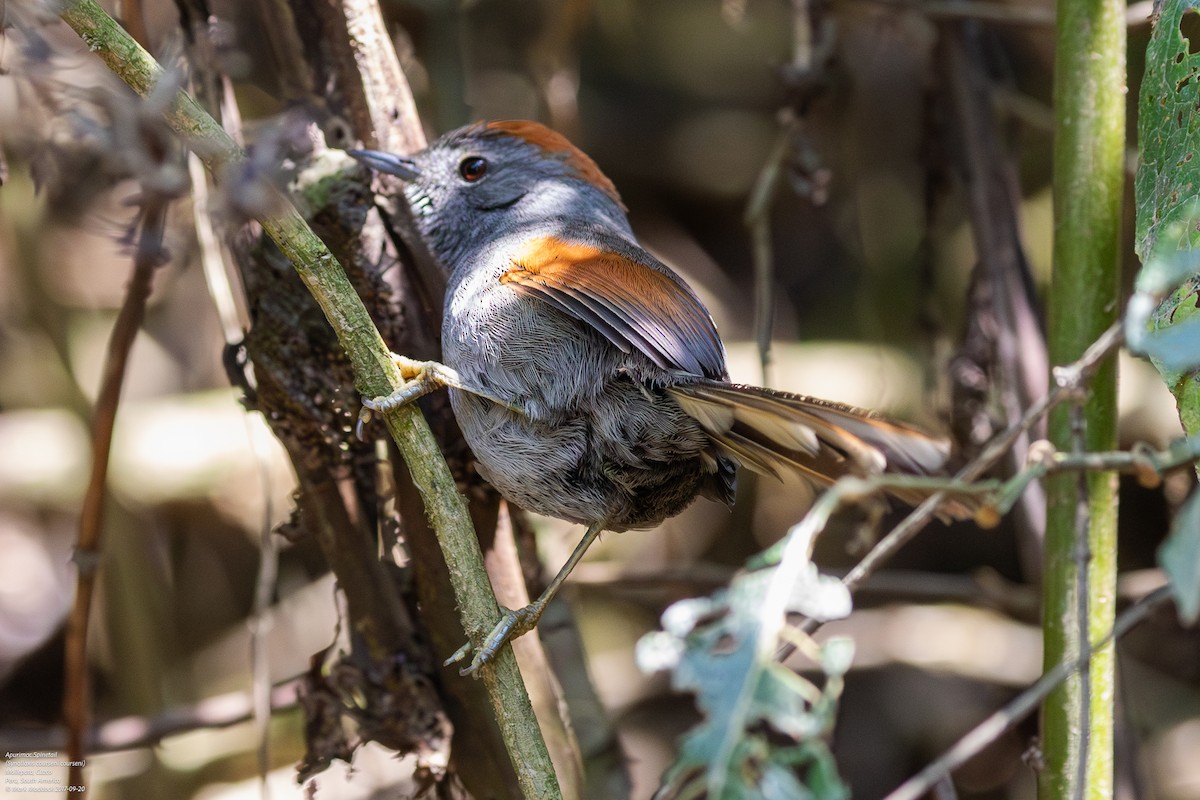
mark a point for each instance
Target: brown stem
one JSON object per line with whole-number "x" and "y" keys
{"x": 1004, "y": 339}
{"x": 77, "y": 699}
{"x": 373, "y": 86}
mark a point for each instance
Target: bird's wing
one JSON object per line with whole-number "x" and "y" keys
{"x": 635, "y": 306}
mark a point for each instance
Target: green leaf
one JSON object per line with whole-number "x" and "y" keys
{"x": 1168, "y": 132}
{"x": 1179, "y": 557}
{"x": 761, "y": 736}
{"x": 1166, "y": 187}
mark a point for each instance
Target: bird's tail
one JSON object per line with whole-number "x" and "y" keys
{"x": 772, "y": 432}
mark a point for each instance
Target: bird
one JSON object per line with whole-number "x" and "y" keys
{"x": 588, "y": 378}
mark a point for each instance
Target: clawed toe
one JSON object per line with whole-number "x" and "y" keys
{"x": 364, "y": 416}
{"x": 402, "y": 396}
{"x": 458, "y": 656}
{"x": 511, "y": 625}
{"x": 419, "y": 382}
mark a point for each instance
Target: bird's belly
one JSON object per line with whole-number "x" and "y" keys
{"x": 596, "y": 438}
{"x": 621, "y": 457}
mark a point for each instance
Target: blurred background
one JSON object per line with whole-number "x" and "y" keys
{"x": 855, "y": 106}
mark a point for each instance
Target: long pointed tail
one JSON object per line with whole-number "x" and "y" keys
{"x": 772, "y": 432}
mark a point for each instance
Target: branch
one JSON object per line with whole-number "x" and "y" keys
{"x": 376, "y": 376}
{"x": 76, "y": 693}
{"x": 758, "y": 221}
{"x": 1004, "y": 338}
{"x": 1080, "y": 557}
{"x": 1069, "y": 379}
{"x": 375, "y": 91}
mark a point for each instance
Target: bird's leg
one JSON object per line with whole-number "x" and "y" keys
{"x": 523, "y": 620}
{"x": 421, "y": 378}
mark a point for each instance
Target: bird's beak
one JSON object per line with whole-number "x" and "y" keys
{"x": 387, "y": 163}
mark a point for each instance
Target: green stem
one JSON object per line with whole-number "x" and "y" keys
{"x": 1080, "y": 574}
{"x": 376, "y": 376}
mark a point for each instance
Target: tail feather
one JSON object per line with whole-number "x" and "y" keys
{"x": 771, "y": 432}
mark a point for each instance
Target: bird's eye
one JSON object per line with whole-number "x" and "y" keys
{"x": 472, "y": 168}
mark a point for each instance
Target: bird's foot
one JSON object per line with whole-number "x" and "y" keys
{"x": 421, "y": 378}
{"x": 511, "y": 625}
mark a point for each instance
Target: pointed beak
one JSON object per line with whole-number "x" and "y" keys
{"x": 387, "y": 163}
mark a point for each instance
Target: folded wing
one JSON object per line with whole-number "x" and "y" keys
{"x": 634, "y": 305}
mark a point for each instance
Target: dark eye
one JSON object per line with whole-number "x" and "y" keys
{"x": 473, "y": 168}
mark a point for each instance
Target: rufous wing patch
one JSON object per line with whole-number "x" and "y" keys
{"x": 554, "y": 142}
{"x": 631, "y": 304}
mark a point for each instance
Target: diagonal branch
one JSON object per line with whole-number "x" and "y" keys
{"x": 1021, "y": 706}
{"x": 376, "y": 375}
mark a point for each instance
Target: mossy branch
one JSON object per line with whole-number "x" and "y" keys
{"x": 376, "y": 375}
{"x": 1081, "y": 521}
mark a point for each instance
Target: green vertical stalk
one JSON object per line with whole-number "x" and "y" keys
{"x": 1081, "y": 524}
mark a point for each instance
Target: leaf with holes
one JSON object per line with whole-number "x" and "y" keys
{"x": 762, "y": 733}
{"x": 763, "y": 728}
{"x": 1179, "y": 557}
{"x": 1168, "y": 177}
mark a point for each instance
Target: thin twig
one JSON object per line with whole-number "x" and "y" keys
{"x": 1068, "y": 380}
{"x": 982, "y": 11}
{"x": 758, "y": 221}
{"x": 212, "y": 259}
{"x": 1021, "y": 706}
{"x": 77, "y": 700}
{"x": 1141, "y": 460}
{"x": 792, "y": 156}
{"x": 262, "y": 617}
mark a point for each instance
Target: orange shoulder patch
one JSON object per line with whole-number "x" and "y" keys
{"x": 631, "y": 304}
{"x": 554, "y": 142}
{"x": 541, "y": 253}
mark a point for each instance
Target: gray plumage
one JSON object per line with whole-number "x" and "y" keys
{"x": 617, "y": 408}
